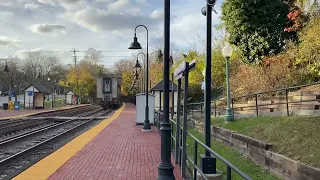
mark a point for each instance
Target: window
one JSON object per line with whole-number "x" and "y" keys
{"x": 107, "y": 85}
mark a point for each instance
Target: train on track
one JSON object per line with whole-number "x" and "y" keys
{"x": 109, "y": 91}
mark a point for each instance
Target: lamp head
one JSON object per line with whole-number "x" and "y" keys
{"x": 204, "y": 11}
{"x": 211, "y": 2}
{"x": 135, "y": 44}
{"x": 136, "y": 74}
{"x": 137, "y": 65}
{"x": 227, "y": 51}
{"x": 39, "y": 76}
{"x": 6, "y": 68}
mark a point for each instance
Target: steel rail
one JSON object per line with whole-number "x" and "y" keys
{"x": 38, "y": 130}
{"x": 6, "y": 161}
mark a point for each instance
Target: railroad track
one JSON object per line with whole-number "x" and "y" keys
{"x": 65, "y": 112}
{"x": 14, "y": 148}
{"x": 51, "y": 125}
{"x": 11, "y": 126}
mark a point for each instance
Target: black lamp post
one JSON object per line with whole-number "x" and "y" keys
{"x": 33, "y": 80}
{"x": 165, "y": 168}
{"x": 6, "y": 68}
{"x": 136, "y": 45}
{"x": 208, "y": 163}
{"x": 137, "y": 66}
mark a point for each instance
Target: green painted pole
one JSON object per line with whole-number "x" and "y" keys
{"x": 229, "y": 116}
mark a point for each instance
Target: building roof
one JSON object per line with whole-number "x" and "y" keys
{"x": 160, "y": 86}
{"x": 40, "y": 88}
{"x": 103, "y": 75}
{"x": 70, "y": 91}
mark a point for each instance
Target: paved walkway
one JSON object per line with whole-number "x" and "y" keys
{"x": 120, "y": 151}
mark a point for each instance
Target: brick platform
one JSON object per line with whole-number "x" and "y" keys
{"x": 13, "y": 113}
{"x": 120, "y": 151}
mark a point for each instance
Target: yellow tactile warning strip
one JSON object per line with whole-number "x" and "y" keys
{"x": 47, "y": 166}
{"x": 34, "y": 113}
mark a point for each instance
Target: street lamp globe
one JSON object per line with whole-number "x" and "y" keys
{"x": 135, "y": 44}
{"x": 227, "y": 51}
{"x": 49, "y": 79}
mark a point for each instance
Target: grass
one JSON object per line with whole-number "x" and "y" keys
{"x": 57, "y": 103}
{"x": 243, "y": 163}
{"x": 295, "y": 137}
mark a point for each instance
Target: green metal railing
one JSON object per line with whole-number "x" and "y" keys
{"x": 179, "y": 134}
{"x": 280, "y": 93}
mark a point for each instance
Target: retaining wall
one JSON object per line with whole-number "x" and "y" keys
{"x": 261, "y": 153}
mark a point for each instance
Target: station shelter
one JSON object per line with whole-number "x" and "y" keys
{"x": 34, "y": 96}
{"x": 157, "y": 90}
{"x": 70, "y": 96}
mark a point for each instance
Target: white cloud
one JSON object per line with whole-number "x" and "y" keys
{"x": 101, "y": 24}
{"x": 142, "y": 1}
{"x": 123, "y": 7}
{"x": 9, "y": 42}
{"x": 52, "y": 29}
{"x": 73, "y": 5}
{"x": 157, "y": 14}
{"x": 31, "y": 6}
{"x": 49, "y": 2}
{"x": 101, "y": 20}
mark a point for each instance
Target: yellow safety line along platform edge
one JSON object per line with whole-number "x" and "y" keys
{"x": 47, "y": 166}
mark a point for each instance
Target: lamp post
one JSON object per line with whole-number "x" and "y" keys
{"x": 137, "y": 66}
{"x": 52, "y": 95}
{"x": 33, "y": 80}
{"x": 208, "y": 163}
{"x": 6, "y": 68}
{"x": 165, "y": 168}
{"x": 227, "y": 52}
{"x": 136, "y": 45}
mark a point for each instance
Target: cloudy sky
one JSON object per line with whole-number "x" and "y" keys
{"x": 58, "y": 26}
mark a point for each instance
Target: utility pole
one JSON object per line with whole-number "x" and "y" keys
{"x": 75, "y": 57}
{"x": 75, "y": 66}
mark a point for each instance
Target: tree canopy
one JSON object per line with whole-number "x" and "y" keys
{"x": 256, "y": 27}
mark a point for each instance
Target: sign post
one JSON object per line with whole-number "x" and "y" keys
{"x": 182, "y": 70}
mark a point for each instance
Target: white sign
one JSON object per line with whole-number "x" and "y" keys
{"x": 178, "y": 72}
{"x": 179, "y": 69}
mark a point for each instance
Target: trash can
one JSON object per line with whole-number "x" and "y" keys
{"x": 17, "y": 105}
{"x": 11, "y": 105}
{"x": 5, "y": 106}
